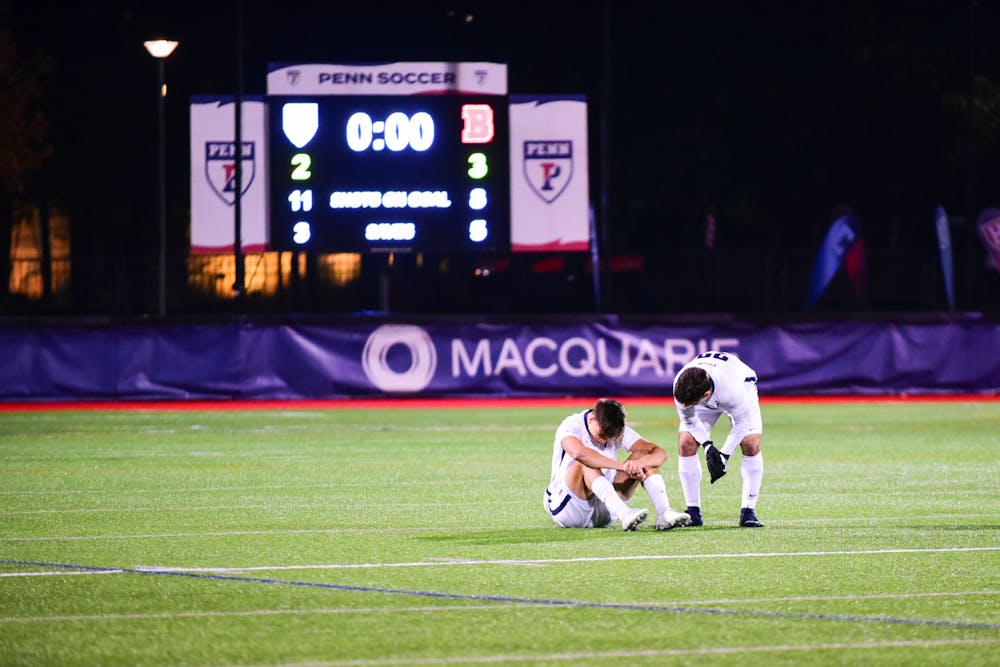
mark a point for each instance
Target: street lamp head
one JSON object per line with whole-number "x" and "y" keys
{"x": 160, "y": 48}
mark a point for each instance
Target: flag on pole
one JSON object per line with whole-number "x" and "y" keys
{"x": 944, "y": 246}
{"x": 989, "y": 232}
{"x": 843, "y": 244}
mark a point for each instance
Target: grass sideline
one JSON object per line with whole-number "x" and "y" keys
{"x": 476, "y": 403}
{"x": 396, "y": 534}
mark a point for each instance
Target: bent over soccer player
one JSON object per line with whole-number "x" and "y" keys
{"x": 708, "y": 386}
{"x": 590, "y": 486}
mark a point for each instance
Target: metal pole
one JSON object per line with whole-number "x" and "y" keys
{"x": 239, "y": 287}
{"x": 970, "y": 237}
{"x": 604, "y": 247}
{"x": 162, "y": 302}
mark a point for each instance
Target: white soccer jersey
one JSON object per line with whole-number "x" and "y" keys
{"x": 734, "y": 394}
{"x": 576, "y": 425}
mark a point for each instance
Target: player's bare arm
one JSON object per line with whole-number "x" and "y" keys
{"x": 588, "y": 457}
{"x": 580, "y": 477}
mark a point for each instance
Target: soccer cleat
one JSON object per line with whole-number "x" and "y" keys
{"x": 671, "y": 519}
{"x": 632, "y": 518}
{"x": 715, "y": 460}
{"x": 748, "y": 519}
{"x": 695, "y": 514}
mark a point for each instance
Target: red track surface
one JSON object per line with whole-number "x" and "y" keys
{"x": 471, "y": 403}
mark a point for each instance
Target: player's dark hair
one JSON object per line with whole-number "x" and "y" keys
{"x": 691, "y": 385}
{"x": 610, "y": 415}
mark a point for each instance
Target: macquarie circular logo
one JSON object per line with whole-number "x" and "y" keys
{"x": 399, "y": 358}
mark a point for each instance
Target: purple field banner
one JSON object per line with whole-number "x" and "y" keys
{"x": 246, "y": 360}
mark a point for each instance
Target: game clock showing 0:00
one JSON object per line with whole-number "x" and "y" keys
{"x": 365, "y": 173}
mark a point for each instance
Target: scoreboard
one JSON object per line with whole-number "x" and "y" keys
{"x": 369, "y": 172}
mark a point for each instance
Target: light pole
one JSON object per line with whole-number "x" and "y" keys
{"x": 160, "y": 49}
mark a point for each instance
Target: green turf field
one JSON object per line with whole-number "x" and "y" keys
{"x": 372, "y": 537}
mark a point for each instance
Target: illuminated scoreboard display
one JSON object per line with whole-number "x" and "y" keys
{"x": 367, "y": 172}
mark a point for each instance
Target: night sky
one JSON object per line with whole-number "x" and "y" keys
{"x": 770, "y": 114}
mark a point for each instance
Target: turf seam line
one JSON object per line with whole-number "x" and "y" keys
{"x": 646, "y": 653}
{"x": 576, "y": 559}
{"x": 535, "y": 601}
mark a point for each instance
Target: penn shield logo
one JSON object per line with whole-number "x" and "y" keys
{"x": 220, "y": 168}
{"x": 399, "y": 358}
{"x": 548, "y": 167}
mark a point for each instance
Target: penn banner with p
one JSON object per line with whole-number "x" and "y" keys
{"x": 213, "y": 174}
{"x": 549, "y": 185}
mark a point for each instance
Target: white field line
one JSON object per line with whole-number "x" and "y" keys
{"x": 64, "y": 573}
{"x": 492, "y": 607}
{"x": 884, "y": 518}
{"x": 203, "y": 508}
{"x": 650, "y": 653}
{"x": 364, "y": 611}
{"x": 915, "y": 491}
{"x": 466, "y": 503}
{"x": 262, "y": 612}
{"x": 185, "y": 491}
{"x": 486, "y": 503}
{"x": 225, "y": 533}
{"x": 451, "y": 562}
{"x": 851, "y": 521}
{"x": 560, "y": 561}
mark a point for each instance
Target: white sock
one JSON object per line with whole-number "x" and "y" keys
{"x": 689, "y": 470}
{"x": 751, "y": 472}
{"x": 657, "y": 490}
{"x": 605, "y": 490}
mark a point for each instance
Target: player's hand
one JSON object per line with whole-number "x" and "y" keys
{"x": 715, "y": 460}
{"x": 634, "y": 470}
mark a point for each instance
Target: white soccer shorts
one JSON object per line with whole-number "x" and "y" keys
{"x": 570, "y": 511}
{"x": 700, "y": 427}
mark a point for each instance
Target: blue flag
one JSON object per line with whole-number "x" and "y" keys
{"x": 844, "y": 235}
{"x": 944, "y": 245}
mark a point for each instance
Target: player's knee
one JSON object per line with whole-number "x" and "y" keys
{"x": 687, "y": 445}
{"x": 750, "y": 445}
